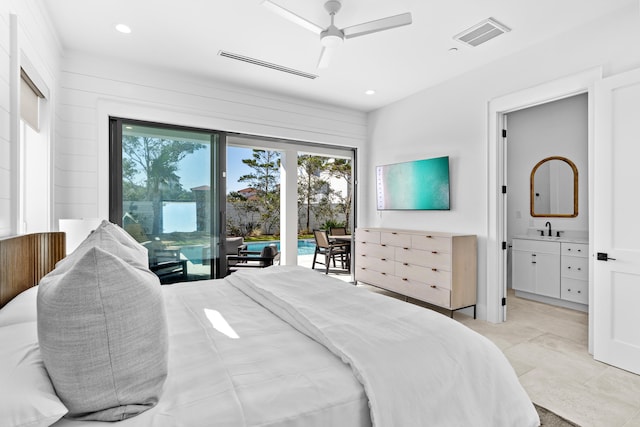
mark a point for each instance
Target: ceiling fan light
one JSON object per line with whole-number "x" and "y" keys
{"x": 331, "y": 40}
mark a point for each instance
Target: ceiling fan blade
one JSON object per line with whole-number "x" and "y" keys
{"x": 296, "y": 19}
{"x": 377, "y": 25}
{"x": 325, "y": 57}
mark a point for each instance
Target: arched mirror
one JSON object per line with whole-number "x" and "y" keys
{"x": 554, "y": 188}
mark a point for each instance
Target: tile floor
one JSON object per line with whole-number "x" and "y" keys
{"x": 547, "y": 347}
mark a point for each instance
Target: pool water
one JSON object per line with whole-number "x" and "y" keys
{"x": 305, "y": 247}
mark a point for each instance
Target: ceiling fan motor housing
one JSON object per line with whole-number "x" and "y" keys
{"x": 331, "y": 37}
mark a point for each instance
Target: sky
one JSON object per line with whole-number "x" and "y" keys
{"x": 194, "y": 168}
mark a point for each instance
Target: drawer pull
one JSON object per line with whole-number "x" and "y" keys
{"x": 383, "y": 259}
{"x": 429, "y": 237}
{"x": 579, "y": 292}
{"x": 433, "y": 286}
{"x": 434, "y": 269}
{"x": 569, "y": 249}
{"x": 579, "y": 250}
{"x": 393, "y": 232}
{"x": 579, "y": 269}
{"x": 569, "y": 290}
{"x": 404, "y": 279}
{"x": 384, "y": 274}
{"x": 569, "y": 267}
{"x": 434, "y": 252}
{"x": 406, "y": 249}
{"x": 405, "y": 263}
{"x": 383, "y": 244}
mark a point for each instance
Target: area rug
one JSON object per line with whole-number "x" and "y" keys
{"x": 549, "y": 419}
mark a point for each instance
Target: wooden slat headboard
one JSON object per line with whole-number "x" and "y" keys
{"x": 25, "y": 259}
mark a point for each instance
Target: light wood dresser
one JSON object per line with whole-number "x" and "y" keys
{"x": 433, "y": 267}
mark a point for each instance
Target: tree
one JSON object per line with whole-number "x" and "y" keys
{"x": 341, "y": 169}
{"x": 265, "y": 179}
{"x": 149, "y": 168}
{"x": 310, "y": 182}
{"x": 246, "y": 213}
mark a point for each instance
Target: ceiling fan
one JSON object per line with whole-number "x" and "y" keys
{"x": 332, "y": 36}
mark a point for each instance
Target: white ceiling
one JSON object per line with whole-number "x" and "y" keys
{"x": 186, "y": 36}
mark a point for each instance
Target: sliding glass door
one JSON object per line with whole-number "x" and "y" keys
{"x": 165, "y": 192}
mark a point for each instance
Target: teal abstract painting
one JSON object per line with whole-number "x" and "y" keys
{"x": 416, "y": 185}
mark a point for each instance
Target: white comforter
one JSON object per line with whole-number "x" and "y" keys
{"x": 232, "y": 363}
{"x": 418, "y": 368}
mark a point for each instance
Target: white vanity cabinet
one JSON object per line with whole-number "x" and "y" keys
{"x": 536, "y": 267}
{"x": 551, "y": 271}
{"x": 575, "y": 272}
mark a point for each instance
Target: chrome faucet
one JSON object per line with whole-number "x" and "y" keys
{"x": 548, "y": 225}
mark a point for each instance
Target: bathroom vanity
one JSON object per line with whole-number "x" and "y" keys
{"x": 553, "y": 270}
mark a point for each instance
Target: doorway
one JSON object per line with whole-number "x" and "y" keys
{"x": 547, "y": 171}
{"x": 279, "y": 191}
{"x": 583, "y": 82}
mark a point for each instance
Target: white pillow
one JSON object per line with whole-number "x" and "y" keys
{"x": 102, "y": 330}
{"x": 27, "y": 397}
{"x": 113, "y": 239}
{"x": 20, "y": 309}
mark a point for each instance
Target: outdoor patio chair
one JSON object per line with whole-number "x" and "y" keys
{"x": 330, "y": 251}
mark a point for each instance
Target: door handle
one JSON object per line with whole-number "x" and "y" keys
{"x": 603, "y": 256}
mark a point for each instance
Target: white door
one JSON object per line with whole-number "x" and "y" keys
{"x": 616, "y": 280}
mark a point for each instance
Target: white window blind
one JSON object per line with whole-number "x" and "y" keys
{"x": 29, "y": 101}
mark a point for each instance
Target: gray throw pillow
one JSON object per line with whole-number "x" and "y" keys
{"x": 113, "y": 239}
{"x": 103, "y": 336}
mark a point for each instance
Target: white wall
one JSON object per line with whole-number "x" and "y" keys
{"x": 36, "y": 40}
{"x": 92, "y": 89}
{"x": 452, "y": 119}
{"x": 558, "y": 128}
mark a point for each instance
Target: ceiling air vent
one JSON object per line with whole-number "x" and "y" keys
{"x": 482, "y": 32}
{"x": 261, "y": 63}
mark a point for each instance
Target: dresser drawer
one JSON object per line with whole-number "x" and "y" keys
{"x": 429, "y": 293}
{"x": 430, "y": 276}
{"x": 383, "y": 265}
{"x": 575, "y": 290}
{"x": 381, "y": 280}
{"x": 373, "y": 250}
{"x": 393, "y": 238}
{"x": 429, "y": 242}
{"x": 575, "y": 267}
{"x": 430, "y": 259}
{"x": 366, "y": 235}
{"x": 575, "y": 249}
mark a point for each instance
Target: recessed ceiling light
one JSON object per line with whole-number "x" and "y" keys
{"x": 370, "y": 92}
{"x": 123, "y": 28}
{"x": 453, "y": 49}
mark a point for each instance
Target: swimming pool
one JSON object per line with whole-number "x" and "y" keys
{"x": 305, "y": 247}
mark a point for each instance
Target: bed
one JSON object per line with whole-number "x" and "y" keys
{"x": 280, "y": 346}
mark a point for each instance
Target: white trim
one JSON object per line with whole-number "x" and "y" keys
{"x": 289, "y": 206}
{"x": 551, "y": 91}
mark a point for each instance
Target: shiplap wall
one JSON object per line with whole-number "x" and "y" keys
{"x": 37, "y": 41}
{"x": 92, "y": 89}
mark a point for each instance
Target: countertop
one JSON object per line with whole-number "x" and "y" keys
{"x": 561, "y": 239}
